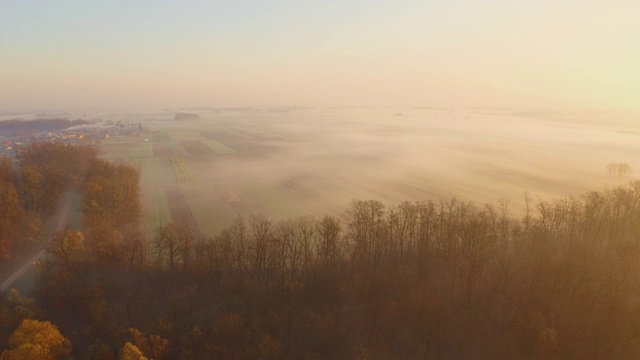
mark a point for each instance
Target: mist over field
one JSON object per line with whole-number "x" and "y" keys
{"x": 315, "y": 161}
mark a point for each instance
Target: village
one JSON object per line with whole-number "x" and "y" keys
{"x": 81, "y": 134}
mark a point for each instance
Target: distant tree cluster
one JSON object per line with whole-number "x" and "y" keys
{"x": 619, "y": 169}
{"x": 182, "y": 116}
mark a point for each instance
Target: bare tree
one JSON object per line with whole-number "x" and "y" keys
{"x": 66, "y": 249}
{"x": 365, "y": 229}
{"x": 327, "y": 246}
{"x": 135, "y": 250}
{"x": 167, "y": 246}
{"x": 260, "y": 248}
{"x": 619, "y": 169}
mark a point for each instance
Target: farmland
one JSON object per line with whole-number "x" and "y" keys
{"x": 315, "y": 161}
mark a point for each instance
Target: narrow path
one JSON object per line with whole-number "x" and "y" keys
{"x": 62, "y": 221}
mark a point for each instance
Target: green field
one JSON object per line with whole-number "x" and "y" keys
{"x": 181, "y": 169}
{"x": 156, "y": 171}
{"x": 268, "y": 200}
{"x": 210, "y": 207}
{"x": 144, "y": 149}
{"x": 119, "y": 148}
{"x": 156, "y": 210}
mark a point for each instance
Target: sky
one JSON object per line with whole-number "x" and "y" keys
{"x": 134, "y": 54}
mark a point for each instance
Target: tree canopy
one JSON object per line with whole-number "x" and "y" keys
{"x": 37, "y": 340}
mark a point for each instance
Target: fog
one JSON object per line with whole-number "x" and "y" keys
{"x": 302, "y": 161}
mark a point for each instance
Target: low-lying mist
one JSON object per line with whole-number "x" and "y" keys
{"x": 479, "y": 156}
{"x": 311, "y": 161}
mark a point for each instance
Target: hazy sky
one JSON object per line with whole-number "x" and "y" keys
{"x": 579, "y": 54}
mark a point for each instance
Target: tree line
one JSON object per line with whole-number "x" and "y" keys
{"x": 14, "y": 126}
{"x": 31, "y": 186}
{"x": 422, "y": 279}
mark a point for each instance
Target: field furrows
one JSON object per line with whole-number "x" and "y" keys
{"x": 179, "y": 207}
{"x": 196, "y": 147}
{"x": 158, "y": 212}
{"x": 180, "y": 167}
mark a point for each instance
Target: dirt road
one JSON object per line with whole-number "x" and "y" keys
{"x": 61, "y": 222}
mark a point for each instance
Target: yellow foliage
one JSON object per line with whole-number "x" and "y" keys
{"x": 152, "y": 345}
{"x": 37, "y": 340}
{"x": 131, "y": 352}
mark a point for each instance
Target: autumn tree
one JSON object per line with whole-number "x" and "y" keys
{"x": 327, "y": 246}
{"x": 131, "y": 352}
{"x": 10, "y": 209}
{"x": 33, "y": 191}
{"x": 111, "y": 208}
{"x": 66, "y": 249}
{"x": 112, "y": 194}
{"x": 366, "y": 232}
{"x": 153, "y": 345}
{"x": 47, "y": 169}
{"x": 166, "y": 247}
{"x": 260, "y": 249}
{"x": 234, "y": 241}
{"x": 14, "y": 308}
{"x": 38, "y": 340}
{"x": 10, "y": 218}
{"x": 135, "y": 250}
